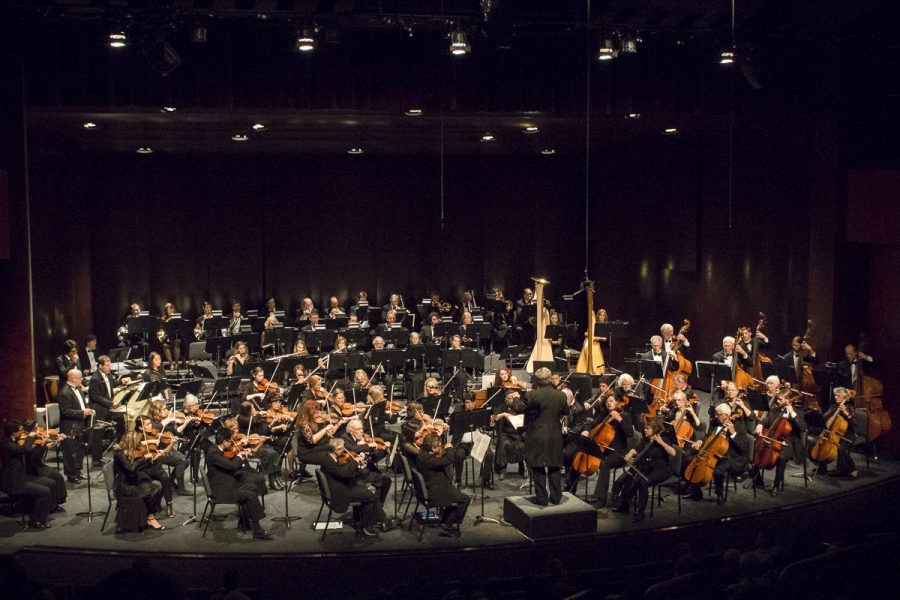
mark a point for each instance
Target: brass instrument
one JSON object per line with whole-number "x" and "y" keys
{"x": 444, "y": 307}
{"x": 122, "y": 333}
{"x": 233, "y": 326}
{"x": 507, "y": 303}
{"x": 198, "y": 329}
{"x": 161, "y": 334}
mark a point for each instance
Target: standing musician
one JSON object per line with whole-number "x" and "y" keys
{"x": 849, "y": 367}
{"x": 614, "y": 456}
{"x": 746, "y": 340}
{"x": 249, "y": 422}
{"x": 132, "y": 464}
{"x": 237, "y": 362}
{"x": 667, "y": 331}
{"x": 36, "y": 467}
{"x": 521, "y": 324}
{"x": 736, "y": 458}
{"x": 200, "y": 331}
{"x": 728, "y": 355}
{"x": 800, "y": 352}
{"x": 75, "y": 413}
{"x": 68, "y": 360}
{"x": 657, "y": 352}
{"x": 544, "y": 406}
{"x": 648, "y": 464}
{"x": 143, "y": 425}
{"x": 510, "y": 437}
{"x": 463, "y": 442}
{"x": 155, "y": 372}
{"x": 434, "y": 462}
{"x": 313, "y": 433}
{"x": 100, "y": 393}
{"x": 342, "y": 470}
{"x": 228, "y": 485}
{"x": 15, "y": 480}
{"x": 369, "y": 473}
{"x": 170, "y": 346}
{"x": 742, "y": 418}
{"x": 792, "y": 448}
{"x": 855, "y": 423}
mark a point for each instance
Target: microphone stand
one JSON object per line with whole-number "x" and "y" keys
{"x": 90, "y": 514}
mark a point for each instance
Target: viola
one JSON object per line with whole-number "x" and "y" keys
{"x": 265, "y": 386}
{"x": 347, "y": 456}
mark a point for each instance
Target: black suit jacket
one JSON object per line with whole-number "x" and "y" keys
{"x": 544, "y": 406}
{"x": 64, "y": 365}
{"x": 99, "y": 396}
{"x": 71, "y": 417}
{"x": 13, "y": 475}
{"x": 441, "y": 490}
{"x": 744, "y": 363}
{"x": 222, "y": 473}
{"x": 341, "y": 481}
{"x": 672, "y": 366}
{"x": 84, "y": 363}
{"x": 738, "y": 446}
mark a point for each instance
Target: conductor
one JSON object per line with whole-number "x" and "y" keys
{"x": 544, "y": 406}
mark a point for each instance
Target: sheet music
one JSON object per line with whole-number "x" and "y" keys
{"x": 481, "y": 444}
{"x": 517, "y": 421}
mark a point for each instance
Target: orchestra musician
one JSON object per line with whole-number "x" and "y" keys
{"x": 237, "y": 362}
{"x": 392, "y": 305}
{"x": 250, "y": 421}
{"x": 192, "y": 428}
{"x": 390, "y": 319}
{"x": 742, "y": 418}
{"x": 510, "y": 434}
{"x": 433, "y": 462}
{"x": 235, "y": 319}
{"x": 678, "y": 410}
{"x": 658, "y": 353}
{"x": 163, "y": 421}
{"x": 505, "y": 378}
{"x": 369, "y": 473}
{"x": 845, "y": 466}
{"x": 314, "y": 390}
{"x": 334, "y": 308}
{"x": 667, "y": 331}
{"x": 468, "y": 303}
{"x": 68, "y": 360}
{"x": 378, "y": 416}
{"x": 200, "y": 327}
{"x": 300, "y": 347}
{"x": 651, "y": 459}
{"x": 246, "y": 473}
{"x": 155, "y": 372}
{"x": 415, "y": 420}
{"x": 801, "y": 351}
{"x": 87, "y": 356}
{"x": 34, "y": 463}
{"x": 614, "y": 456}
{"x": 170, "y": 346}
{"x": 75, "y": 414}
{"x": 125, "y": 338}
{"x": 544, "y": 406}
{"x": 793, "y": 447}
{"x": 340, "y": 345}
{"x": 131, "y": 465}
{"x": 848, "y": 368}
{"x": 736, "y": 458}
{"x": 463, "y": 442}
{"x": 523, "y": 327}
{"x": 313, "y": 433}
{"x": 467, "y": 330}
{"x": 730, "y": 353}
{"x": 746, "y": 340}
{"x": 361, "y": 298}
{"x": 100, "y": 393}
{"x": 429, "y": 331}
{"x": 15, "y": 480}
{"x": 227, "y": 484}
{"x": 343, "y": 469}
{"x": 305, "y": 312}
{"x": 572, "y": 423}
{"x": 143, "y": 425}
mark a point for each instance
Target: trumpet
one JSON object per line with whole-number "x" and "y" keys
{"x": 444, "y": 307}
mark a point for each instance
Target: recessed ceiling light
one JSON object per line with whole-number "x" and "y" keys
{"x": 670, "y": 131}
{"x": 633, "y": 116}
{"x": 240, "y": 137}
{"x": 168, "y": 109}
{"x": 118, "y": 39}
{"x": 548, "y": 151}
{"x": 89, "y": 125}
{"x": 306, "y": 40}
{"x": 531, "y": 129}
{"x": 414, "y": 112}
{"x": 145, "y": 150}
{"x": 488, "y": 137}
{"x": 726, "y": 57}
{"x": 258, "y": 127}
{"x": 355, "y": 150}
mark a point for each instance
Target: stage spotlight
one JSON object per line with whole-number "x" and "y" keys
{"x": 459, "y": 42}
{"x": 89, "y": 125}
{"x": 607, "y": 50}
{"x": 531, "y": 129}
{"x": 548, "y": 151}
{"x": 144, "y": 150}
{"x": 306, "y": 41}
{"x": 198, "y": 34}
{"x": 726, "y": 57}
{"x": 413, "y": 112}
{"x": 258, "y": 127}
{"x": 118, "y": 38}
{"x": 670, "y": 131}
{"x": 633, "y": 116}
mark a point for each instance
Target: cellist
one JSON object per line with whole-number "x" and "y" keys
{"x": 680, "y": 411}
{"x": 614, "y": 456}
{"x": 735, "y": 460}
{"x": 844, "y": 402}
{"x": 743, "y": 418}
{"x": 792, "y": 448}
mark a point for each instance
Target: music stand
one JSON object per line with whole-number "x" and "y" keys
{"x": 336, "y": 323}
{"x": 784, "y": 371}
{"x": 712, "y": 372}
{"x": 356, "y": 337}
{"x": 282, "y": 338}
{"x": 436, "y": 406}
{"x": 213, "y": 325}
{"x": 433, "y": 355}
{"x": 117, "y": 355}
{"x": 395, "y": 336}
{"x": 446, "y": 330}
{"x": 319, "y": 339}
{"x": 416, "y": 355}
{"x": 217, "y": 346}
{"x": 189, "y": 387}
{"x": 609, "y": 330}
{"x": 756, "y": 400}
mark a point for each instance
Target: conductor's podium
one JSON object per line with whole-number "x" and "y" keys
{"x": 570, "y": 517}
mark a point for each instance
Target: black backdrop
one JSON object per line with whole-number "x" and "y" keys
{"x": 111, "y": 229}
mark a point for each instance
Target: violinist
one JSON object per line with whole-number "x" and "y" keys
{"x": 192, "y": 428}
{"x": 239, "y": 446}
{"x": 736, "y": 458}
{"x": 261, "y": 385}
{"x": 844, "y": 403}
{"x": 613, "y": 456}
{"x": 505, "y": 378}
{"x": 237, "y": 362}
{"x": 742, "y": 418}
{"x": 229, "y": 486}
{"x": 314, "y": 390}
{"x": 361, "y": 380}
{"x": 409, "y": 431}
{"x": 378, "y": 414}
{"x": 650, "y": 458}
{"x": 149, "y": 440}
{"x": 156, "y": 372}
{"x": 35, "y": 461}
{"x": 433, "y": 462}
{"x": 369, "y": 474}
{"x": 432, "y": 388}
{"x": 848, "y": 368}
{"x": 36, "y": 491}
{"x": 249, "y": 422}
{"x": 313, "y": 433}
{"x": 132, "y": 465}
{"x": 792, "y": 448}
{"x": 463, "y": 442}
{"x": 162, "y": 421}
{"x": 342, "y": 470}
{"x": 510, "y": 432}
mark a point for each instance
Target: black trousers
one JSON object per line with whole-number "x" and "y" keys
{"x": 540, "y": 475}
{"x": 609, "y": 462}
{"x": 625, "y": 487}
{"x": 366, "y": 515}
{"x": 454, "y": 513}
{"x": 461, "y": 453}
{"x": 726, "y": 465}
{"x": 247, "y": 498}
{"x": 157, "y": 473}
{"x": 55, "y": 477}
{"x": 38, "y": 494}
{"x": 73, "y": 456}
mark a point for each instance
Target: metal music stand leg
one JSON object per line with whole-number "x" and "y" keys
{"x": 480, "y": 518}
{"x": 194, "y": 477}
{"x": 288, "y": 483}
{"x": 91, "y": 513}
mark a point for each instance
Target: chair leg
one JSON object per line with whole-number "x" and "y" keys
{"x": 212, "y": 508}
{"x": 318, "y": 516}
{"x": 327, "y": 521}
{"x": 413, "y": 517}
{"x": 106, "y": 516}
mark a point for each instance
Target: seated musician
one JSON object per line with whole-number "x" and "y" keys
{"x": 156, "y": 372}
{"x": 855, "y": 423}
{"x": 237, "y": 365}
{"x": 632, "y": 396}
{"x": 101, "y": 389}
{"x": 170, "y": 346}
{"x": 468, "y": 302}
{"x": 306, "y": 309}
{"x": 68, "y": 360}
{"x": 377, "y": 344}
{"x": 793, "y": 448}
{"x": 87, "y": 355}
{"x": 573, "y": 422}
{"x": 510, "y": 434}
{"x": 433, "y": 462}
{"x": 250, "y": 421}
{"x": 312, "y": 321}
{"x": 736, "y": 458}
{"x": 392, "y": 305}
{"x": 432, "y": 388}
{"x": 201, "y": 332}
{"x": 228, "y": 485}
{"x": 340, "y": 345}
{"x": 314, "y": 390}
{"x": 313, "y": 432}
{"x": 505, "y": 378}
{"x": 279, "y": 421}
{"x": 369, "y": 474}
{"x": 342, "y": 470}
{"x": 467, "y": 331}
{"x": 429, "y": 331}
{"x": 161, "y": 422}
{"x": 298, "y": 376}
{"x": 460, "y": 374}
{"x": 193, "y": 427}
{"x": 378, "y": 415}
{"x": 334, "y": 308}
{"x": 362, "y": 297}
{"x": 415, "y": 419}
{"x": 679, "y": 410}
{"x": 246, "y": 474}
{"x": 741, "y": 416}
{"x": 37, "y": 468}
{"x": 300, "y": 347}
{"x": 37, "y": 492}
{"x": 651, "y": 459}
{"x": 132, "y": 466}
{"x": 613, "y": 456}
{"x": 681, "y": 385}
{"x": 143, "y": 425}
{"x": 463, "y": 442}
{"x": 361, "y": 380}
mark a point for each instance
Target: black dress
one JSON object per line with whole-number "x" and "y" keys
{"x": 137, "y": 494}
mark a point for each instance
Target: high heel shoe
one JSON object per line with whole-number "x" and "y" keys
{"x": 152, "y": 523}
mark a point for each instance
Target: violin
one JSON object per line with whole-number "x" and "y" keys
{"x": 43, "y": 436}
{"x": 347, "y": 456}
{"x": 265, "y": 386}
{"x": 204, "y": 417}
{"x": 380, "y": 444}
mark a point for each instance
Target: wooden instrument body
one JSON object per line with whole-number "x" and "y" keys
{"x": 869, "y": 398}
{"x": 603, "y": 435}
{"x": 700, "y": 470}
{"x": 825, "y": 448}
{"x": 685, "y": 367}
{"x": 542, "y": 351}
{"x": 769, "y": 442}
{"x": 591, "y": 358}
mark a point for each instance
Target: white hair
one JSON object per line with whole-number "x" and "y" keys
{"x": 773, "y": 379}
{"x": 723, "y": 409}
{"x": 626, "y": 378}
{"x": 727, "y": 338}
{"x": 656, "y": 338}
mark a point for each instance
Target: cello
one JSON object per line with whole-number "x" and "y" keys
{"x": 869, "y": 392}
{"x": 771, "y": 439}
{"x": 603, "y": 435}
{"x": 700, "y": 470}
{"x": 825, "y": 449}
{"x": 542, "y": 351}
{"x": 591, "y": 358}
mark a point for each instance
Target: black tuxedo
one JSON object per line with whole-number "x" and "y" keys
{"x": 544, "y": 407}
{"x": 15, "y": 480}
{"x": 63, "y": 365}
{"x": 227, "y": 486}
{"x": 84, "y": 363}
{"x": 346, "y": 488}
{"x": 744, "y": 363}
{"x": 440, "y": 488}
{"x": 99, "y": 395}
{"x": 672, "y": 366}
{"x": 72, "y": 425}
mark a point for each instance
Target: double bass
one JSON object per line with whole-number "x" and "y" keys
{"x": 805, "y": 380}
{"x": 591, "y": 358}
{"x": 542, "y": 351}
{"x": 756, "y": 356}
{"x": 869, "y": 392}
{"x": 685, "y": 367}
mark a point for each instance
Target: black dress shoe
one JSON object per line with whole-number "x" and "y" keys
{"x": 621, "y": 509}
{"x": 538, "y": 501}
{"x": 366, "y": 533}
{"x": 488, "y": 485}
{"x": 74, "y": 480}
{"x": 720, "y": 499}
{"x": 389, "y": 524}
{"x": 275, "y": 483}
{"x": 97, "y": 463}
{"x": 37, "y": 525}
{"x": 638, "y": 517}
{"x": 447, "y": 531}
{"x": 262, "y": 534}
